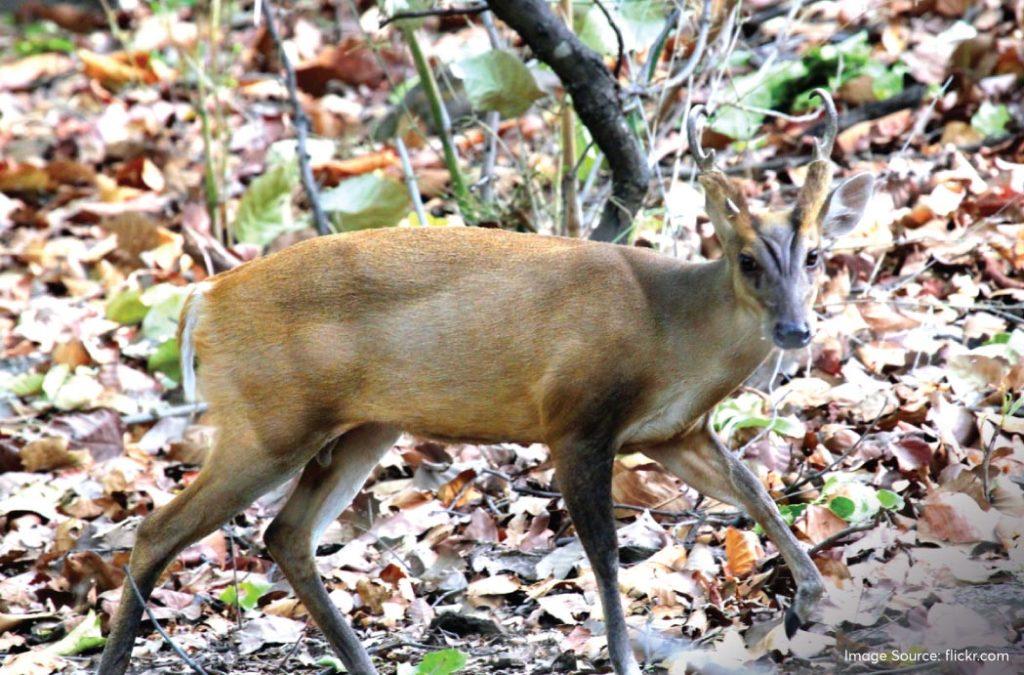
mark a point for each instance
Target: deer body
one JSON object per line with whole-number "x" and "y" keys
{"x": 464, "y": 347}
{"x": 315, "y": 359}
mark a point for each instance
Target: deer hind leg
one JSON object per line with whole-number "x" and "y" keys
{"x": 327, "y": 486}
{"x": 237, "y": 472}
{"x": 703, "y": 461}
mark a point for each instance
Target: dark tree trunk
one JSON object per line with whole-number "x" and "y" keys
{"x": 595, "y": 97}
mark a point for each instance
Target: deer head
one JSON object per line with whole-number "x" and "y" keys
{"x": 775, "y": 256}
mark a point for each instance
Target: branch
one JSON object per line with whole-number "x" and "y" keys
{"x": 301, "y": 124}
{"x": 704, "y": 27}
{"x": 437, "y": 11}
{"x": 910, "y": 97}
{"x": 157, "y": 414}
{"x": 492, "y": 121}
{"x": 620, "y": 43}
{"x": 829, "y": 542}
{"x": 159, "y": 629}
{"x": 595, "y": 96}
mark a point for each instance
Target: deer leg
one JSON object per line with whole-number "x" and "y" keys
{"x": 325, "y": 489}
{"x": 584, "y": 471}
{"x": 230, "y": 480}
{"x": 703, "y": 461}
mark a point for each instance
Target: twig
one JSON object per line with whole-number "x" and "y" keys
{"x": 159, "y": 629}
{"x": 234, "y": 575}
{"x": 654, "y": 53}
{"x": 703, "y": 29}
{"x": 492, "y": 121}
{"x": 294, "y": 648}
{"x": 301, "y": 123}
{"x": 771, "y": 113}
{"x": 829, "y": 542}
{"x": 922, "y": 120}
{"x": 410, "y": 181}
{"x": 908, "y": 98}
{"x": 437, "y": 11}
{"x": 160, "y": 413}
{"x": 618, "y": 36}
{"x": 572, "y": 215}
{"x": 793, "y": 489}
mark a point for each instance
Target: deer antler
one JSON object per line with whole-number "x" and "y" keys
{"x": 705, "y": 160}
{"x": 823, "y": 147}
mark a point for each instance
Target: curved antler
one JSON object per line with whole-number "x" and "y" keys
{"x": 705, "y": 160}
{"x": 823, "y": 148}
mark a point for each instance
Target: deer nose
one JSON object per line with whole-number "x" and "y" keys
{"x": 789, "y": 335}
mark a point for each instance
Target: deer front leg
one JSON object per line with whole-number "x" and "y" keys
{"x": 703, "y": 461}
{"x": 584, "y": 471}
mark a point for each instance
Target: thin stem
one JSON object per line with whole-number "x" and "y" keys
{"x": 441, "y": 121}
{"x": 301, "y": 123}
{"x": 410, "y": 181}
{"x": 159, "y": 629}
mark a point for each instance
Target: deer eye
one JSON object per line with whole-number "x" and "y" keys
{"x": 747, "y": 263}
{"x": 813, "y": 258}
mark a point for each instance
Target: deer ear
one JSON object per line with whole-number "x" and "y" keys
{"x": 846, "y": 205}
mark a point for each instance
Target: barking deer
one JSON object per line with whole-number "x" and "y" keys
{"x": 316, "y": 358}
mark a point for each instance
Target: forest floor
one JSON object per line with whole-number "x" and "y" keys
{"x": 142, "y": 151}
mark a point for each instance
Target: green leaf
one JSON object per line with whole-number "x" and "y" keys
{"x": 332, "y": 662}
{"x": 54, "y": 380}
{"x": 85, "y": 636}
{"x": 886, "y": 81}
{"x": 251, "y": 589}
{"x": 444, "y": 662}
{"x": 265, "y": 210}
{"x": 843, "y": 507}
{"x": 370, "y": 200}
{"x": 126, "y": 307}
{"x": 27, "y": 384}
{"x": 746, "y": 411}
{"x": 498, "y": 80}
{"x": 890, "y": 500}
{"x": 641, "y": 21}
{"x": 790, "y": 512}
{"x": 991, "y": 120}
{"x": 165, "y": 360}
{"x": 165, "y": 302}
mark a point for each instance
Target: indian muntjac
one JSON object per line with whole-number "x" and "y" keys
{"x": 316, "y": 358}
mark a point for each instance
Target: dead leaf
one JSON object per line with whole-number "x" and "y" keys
{"x": 122, "y": 68}
{"x": 819, "y": 523}
{"x": 51, "y": 453}
{"x": 33, "y": 71}
{"x": 100, "y": 432}
{"x": 956, "y": 518}
{"x": 501, "y": 584}
{"x": 351, "y": 62}
{"x": 742, "y": 551}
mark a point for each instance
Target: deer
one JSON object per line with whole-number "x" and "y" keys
{"x": 314, "y": 360}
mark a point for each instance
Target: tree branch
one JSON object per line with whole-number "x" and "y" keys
{"x": 301, "y": 124}
{"x": 595, "y": 96}
{"x": 437, "y": 11}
